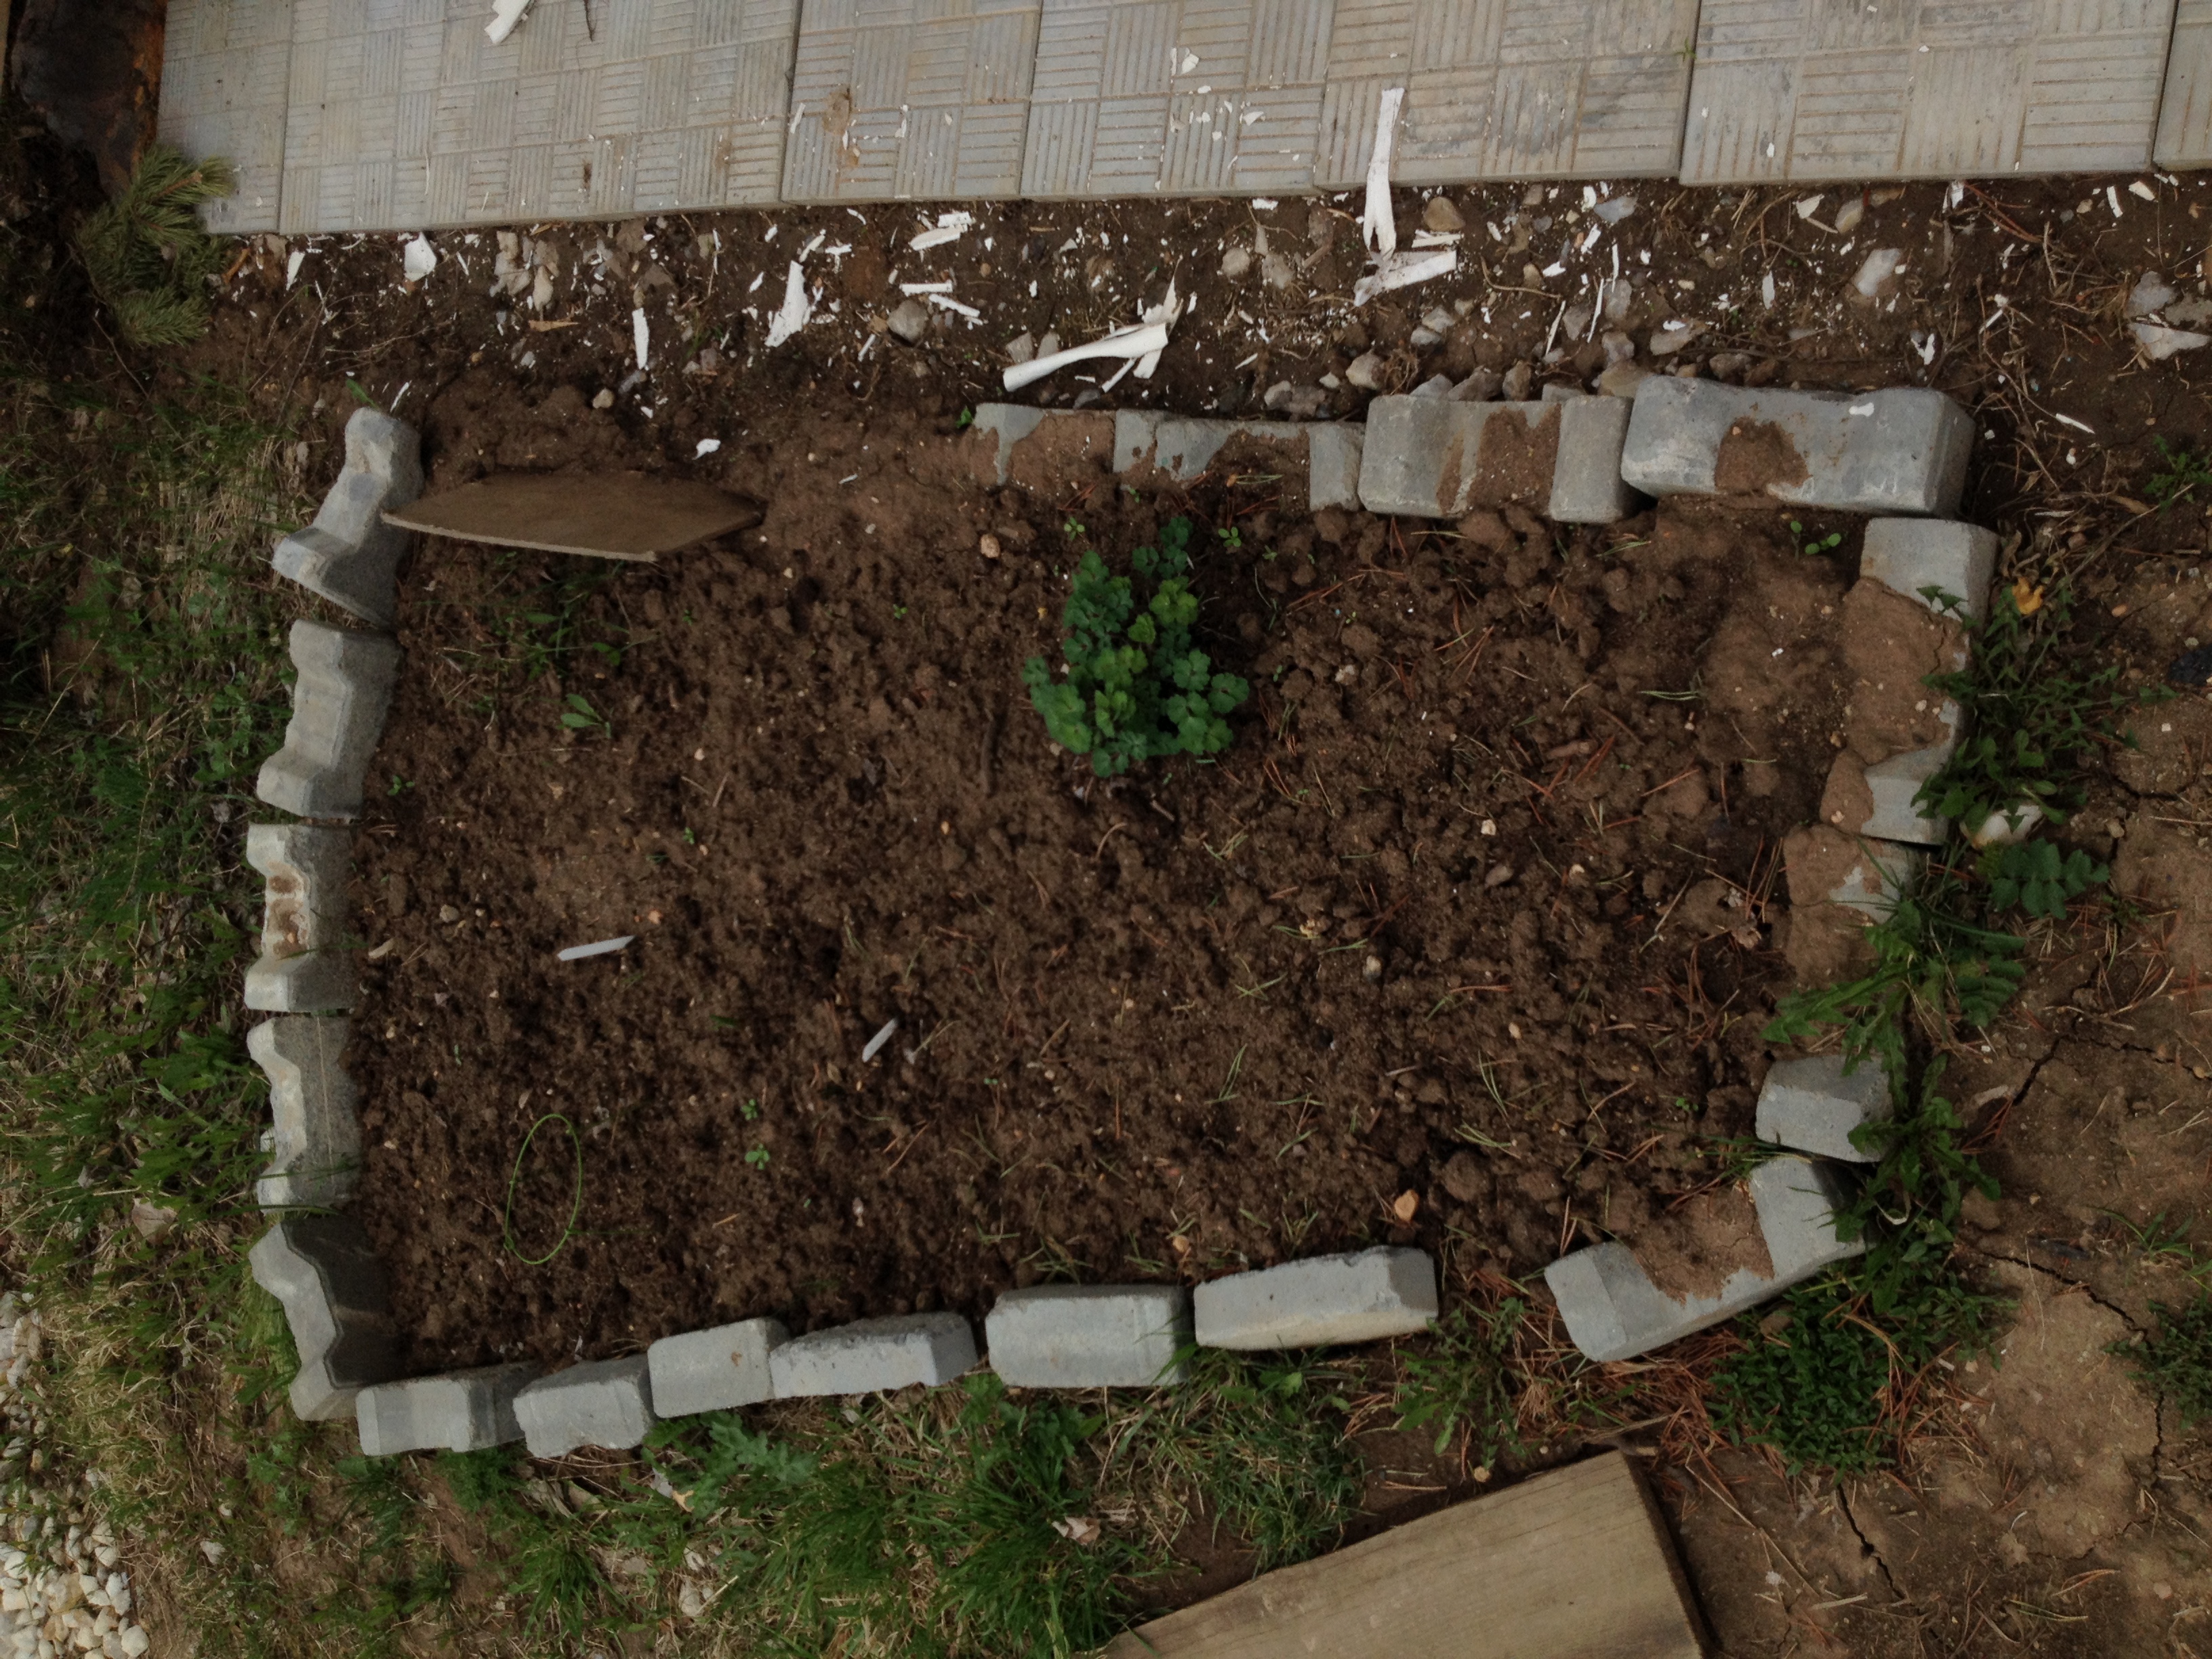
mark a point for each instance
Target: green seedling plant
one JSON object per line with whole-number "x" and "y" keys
{"x": 1807, "y": 544}
{"x": 1137, "y": 688}
{"x": 2175, "y": 1360}
{"x": 1463, "y": 1380}
{"x": 2034, "y": 876}
{"x": 148, "y": 256}
{"x": 580, "y": 715}
{"x": 2185, "y": 473}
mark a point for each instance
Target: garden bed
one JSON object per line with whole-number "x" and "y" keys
{"x": 1468, "y": 936}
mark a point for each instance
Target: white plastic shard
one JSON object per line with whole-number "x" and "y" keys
{"x": 417, "y": 259}
{"x": 1167, "y": 314}
{"x": 600, "y": 948}
{"x": 640, "y": 334}
{"x": 1402, "y": 270}
{"x": 1137, "y": 343}
{"x": 797, "y": 310}
{"x": 1379, "y": 230}
{"x": 505, "y": 14}
{"x": 950, "y": 226}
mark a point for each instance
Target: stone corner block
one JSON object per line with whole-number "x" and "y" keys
{"x": 1430, "y": 457}
{"x": 1812, "y": 1105}
{"x": 349, "y": 555}
{"x": 339, "y": 706}
{"x": 1004, "y": 453}
{"x": 1900, "y": 451}
{"x": 1587, "y": 487}
{"x": 1881, "y": 800}
{"x": 456, "y": 1412}
{"x": 316, "y": 1143}
{"x": 1333, "y": 449}
{"x": 1857, "y": 872}
{"x": 1907, "y": 555}
{"x": 1356, "y": 1296}
{"x": 716, "y": 1370}
{"x": 322, "y": 1270}
{"x": 1089, "y": 1336}
{"x": 303, "y": 966}
{"x": 1614, "y": 1311}
{"x": 604, "y": 1402}
{"x": 873, "y": 1356}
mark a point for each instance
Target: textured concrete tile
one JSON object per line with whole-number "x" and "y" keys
{"x": 1508, "y": 88}
{"x": 225, "y": 76}
{"x": 1818, "y": 89}
{"x": 909, "y": 99}
{"x": 1176, "y": 97}
{"x": 2185, "y": 112}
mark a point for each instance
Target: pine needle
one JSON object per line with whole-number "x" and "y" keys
{"x": 146, "y": 254}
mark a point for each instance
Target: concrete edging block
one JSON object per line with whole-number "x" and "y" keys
{"x": 872, "y": 1356}
{"x": 332, "y": 1288}
{"x": 1333, "y": 454}
{"x": 605, "y": 1403}
{"x": 316, "y": 1139}
{"x": 339, "y": 706}
{"x": 1812, "y": 1105}
{"x": 456, "y": 1412}
{"x": 1422, "y": 456}
{"x": 1587, "y": 487}
{"x": 303, "y": 966}
{"x": 715, "y": 1370}
{"x": 1902, "y": 450}
{"x": 1907, "y": 555}
{"x": 349, "y": 555}
{"x": 1614, "y": 1311}
{"x": 1089, "y": 1336}
{"x": 1356, "y": 1296}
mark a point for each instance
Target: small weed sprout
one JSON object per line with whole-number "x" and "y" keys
{"x": 1464, "y": 1380}
{"x": 759, "y": 1157}
{"x": 1809, "y": 545}
{"x": 1137, "y": 689}
{"x": 2034, "y": 876}
{"x": 580, "y": 715}
{"x": 2185, "y": 473}
{"x": 2175, "y": 1360}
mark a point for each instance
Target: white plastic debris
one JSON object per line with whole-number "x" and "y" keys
{"x": 2160, "y": 342}
{"x": 1808, "y": 205}
{"x": 951, "y": 228}
{"x": 1402, "y": 270}
{"x": 944, "y": 287}
{"x": 417, "y": 259}
{"x": 797, "y": 310}
{"x": 1879, "y": 267}
{"x": 706, "y": 446}
{"x": 299, "y": 257}
{"x": 640, "y": 334}
{"x": 1612, "y": 212}
{"x": 1379, "y": 227}
{"x": 1128, "y": 342}
{"x": 876, "y": 1042}
{"x": 605, "y": 947}
{"x": 505, "y": 14}
{"x": 946, "y": 302}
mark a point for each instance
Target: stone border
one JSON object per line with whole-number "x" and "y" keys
{"x": 1896, "y": 451}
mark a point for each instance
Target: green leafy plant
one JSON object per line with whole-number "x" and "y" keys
{"x": 2035, "y": 876}
{"x": 759, "y": 1157}
{"x": 1137, "y": 688}
{"x": 1805, "y": 545}
{"x": 2176, "y": 1359}
{"x": 148, "y": 258}
{"x": 2185, "y": 473}
{"x": 580, "y": 715}
{"x": 1463, "y": 1380}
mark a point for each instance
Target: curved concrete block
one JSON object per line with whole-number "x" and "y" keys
{"x": 338, "y": 715}
{"x": 316, "y": 1142}
{"x": 332, "y": 1287}
{"x": 349, "y": 555}
{"x": 458, "y": 1411}
{"x": 303, "y": 966}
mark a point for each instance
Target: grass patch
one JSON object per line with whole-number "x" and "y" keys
{"x": 2174, "y": 1361}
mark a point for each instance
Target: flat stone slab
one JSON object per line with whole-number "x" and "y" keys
{"x": 458, "y": 1411}
{"x": 322, "y": 1270}
{"x": 315, "y": 1141}
{"x": 1176, "y": 97}
{"x": 1900, "y": 451}
{"x": 338, "y": 704}
{"x": 873, "y": 1356}
{"x": 1356, "y": 1296}
{"x": 1921, "y": 92}
{"x": 226, "y": 67}
{"x": 1508, "y": 88}
{"x": 1614, "y": 1311}
{"x": 607, "y": 515}
{"x": 303, "y": 966}
{"x": 1089, "y": 1336}
{"x": 606, "y": 1402}
{"x": 714, "y": 1371}
{"x": 1812, "y": 1106}
{"x": 909, "y": 100}
{"x": 349, "y": 554}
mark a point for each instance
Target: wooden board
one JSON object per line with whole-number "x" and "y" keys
{"x": 608, "y": 515}
{"x": 1572, "y": 1565}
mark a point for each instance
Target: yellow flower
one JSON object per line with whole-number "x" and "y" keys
{"x": 2026, "y": 600}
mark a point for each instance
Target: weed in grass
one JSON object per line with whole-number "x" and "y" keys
{"x": 1462, "y": 1380}
{"x": 2175, "y": 1360}
{"x": 2185, "y": 473}
{"x": 2034, "y": 876}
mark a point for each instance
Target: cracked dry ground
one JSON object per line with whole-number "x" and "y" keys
{"x": 2056, "y": 1506}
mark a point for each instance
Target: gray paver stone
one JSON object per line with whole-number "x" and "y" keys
{"x": 349, "y": 555}
{"x": 1184, "y": 446}
{"x": 874, "y": 1354}
{"x": 1135, "y": 433}
{"x": 1812, "y": 1105}
{"x": 1089, "y": 1336}
{"x": 316, "y": 1142}
{"x": 1587, "y": 487}
{"x": 456, "y": 1412}
{"x": 1895, "y": 784}
{"x": 303, "y": 966}
{"x": 338, "y": 715}
{"x": 716, "y": 1370}
{"x": 1352, "y": 1297}
{"x": 1010, "y": 423}
{"x": 1903, "y": 450}
{"x": 332, "y": 1287}
{"x": 1614, "y": 1311}
{"x": 1421, "y": 455}
{"x": 1884, "y": 872}
{"x": 605, "y": 1403}
{"x": 1910, "y": 554}
{"x": 1333, "y": 449}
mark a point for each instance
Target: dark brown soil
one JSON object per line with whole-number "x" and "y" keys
{"x": 1428, "y": 908}
{"x": 1755, "y": 455}
{"x": 1515, "y": 459}
{"x": 1694, "y": 1249}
